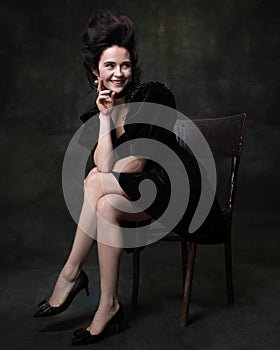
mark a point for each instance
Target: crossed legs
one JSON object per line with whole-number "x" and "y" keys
{"x": 98, "y": 217}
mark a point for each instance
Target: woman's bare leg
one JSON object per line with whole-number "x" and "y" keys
{"x": 80, "y": 249}
{"x": 109, "y": 262}
{"x": 108, "y": 218}
{"x": 84, "y": 238}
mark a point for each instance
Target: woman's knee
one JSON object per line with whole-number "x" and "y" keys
{"x": 92, "y": 181}
{"x": 106, "y": 209}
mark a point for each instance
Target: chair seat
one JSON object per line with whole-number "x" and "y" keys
{"x": 172, "y": 236}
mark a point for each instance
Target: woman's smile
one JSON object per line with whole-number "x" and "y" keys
{"x": 118, "y": 83}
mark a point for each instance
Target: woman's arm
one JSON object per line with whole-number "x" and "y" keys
{"x": 103, "y": 156}
{"x": 130, "y": 164}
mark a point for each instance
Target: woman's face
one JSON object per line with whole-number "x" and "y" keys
{"x": 114, "y": 68}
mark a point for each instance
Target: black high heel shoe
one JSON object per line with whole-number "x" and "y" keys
{"x": 47, "y": 310}
{"x": 114, "y": 326}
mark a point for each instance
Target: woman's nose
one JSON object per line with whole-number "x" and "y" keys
{"x": 118, "y": 71}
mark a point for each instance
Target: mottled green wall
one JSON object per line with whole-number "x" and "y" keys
{"x": 218, "y": 57}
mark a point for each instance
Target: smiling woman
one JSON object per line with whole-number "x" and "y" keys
{"x": 104, "y": 31}
{"x": 109, "y": 57}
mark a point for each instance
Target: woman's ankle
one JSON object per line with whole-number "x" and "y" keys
{"x": 71, "y": 272}
{"x": 109, "y": 303}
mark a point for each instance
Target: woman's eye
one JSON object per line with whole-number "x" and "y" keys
{"x": 109, "y": 65}
{"x": 127, "y": 65}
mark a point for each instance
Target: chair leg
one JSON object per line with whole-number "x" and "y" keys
{"x": 136, "y": 275}
{"x": 184, "y": 250}
{"x": 228, "y": 266}
{"x": 188, "y": 284}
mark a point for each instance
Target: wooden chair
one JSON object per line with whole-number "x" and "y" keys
{"x": 225, "y": 138}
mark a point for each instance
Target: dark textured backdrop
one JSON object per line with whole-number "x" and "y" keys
{"x": 219, "y": 57}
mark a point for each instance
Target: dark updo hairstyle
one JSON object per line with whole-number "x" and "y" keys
{"x": 103, "y": 31}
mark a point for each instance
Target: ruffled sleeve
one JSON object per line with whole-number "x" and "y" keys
{"x": 148, "y": 118}
{"x": 155, "y": 92}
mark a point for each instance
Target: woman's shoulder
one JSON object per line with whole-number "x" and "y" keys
{"x": 154, "y": 86}
{"x": 155, "y": 92}
{"x": 151, "y": 84}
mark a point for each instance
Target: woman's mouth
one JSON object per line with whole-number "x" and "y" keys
{"x": 117, "y": 82}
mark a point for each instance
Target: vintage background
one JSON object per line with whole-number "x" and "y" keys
{"x": 219, "y": 58}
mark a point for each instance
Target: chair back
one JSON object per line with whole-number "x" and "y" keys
{"x": 225, "y": 138}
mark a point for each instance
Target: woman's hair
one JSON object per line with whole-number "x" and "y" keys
{"x": 103, "y": 31}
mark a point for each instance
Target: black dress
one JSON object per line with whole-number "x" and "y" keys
{"x": 156, "y": 95}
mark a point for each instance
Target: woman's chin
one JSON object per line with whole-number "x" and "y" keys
{"x": 117, "y": 90}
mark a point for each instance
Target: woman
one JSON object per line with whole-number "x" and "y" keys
{"x": 111, "y": 62}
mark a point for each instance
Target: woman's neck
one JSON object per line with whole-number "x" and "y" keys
{"x": 118, "y": 114}
{"x": 120, "y": 101}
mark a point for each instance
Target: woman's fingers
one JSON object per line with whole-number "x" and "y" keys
{"x": 105, "y": 102}
{"x": 100, "y": 85}
{"x": 104, "y": 93}
{"x": 105, "y": 98}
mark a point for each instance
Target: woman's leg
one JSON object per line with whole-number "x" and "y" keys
{"x": 108, "y": 218}
{"x": 84, "y": 237}
{"x": 109, "y": 262}
{"x": 80, "y": 249}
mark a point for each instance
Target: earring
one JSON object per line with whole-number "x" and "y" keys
{"x": 96, "y": 82}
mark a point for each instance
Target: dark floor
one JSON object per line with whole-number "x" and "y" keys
{"x": 253, "y": 322}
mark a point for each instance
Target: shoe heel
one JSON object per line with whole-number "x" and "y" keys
{"x": 87, "y": 291}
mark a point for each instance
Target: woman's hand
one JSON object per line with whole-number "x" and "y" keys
{"x": 105, "y": 99}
